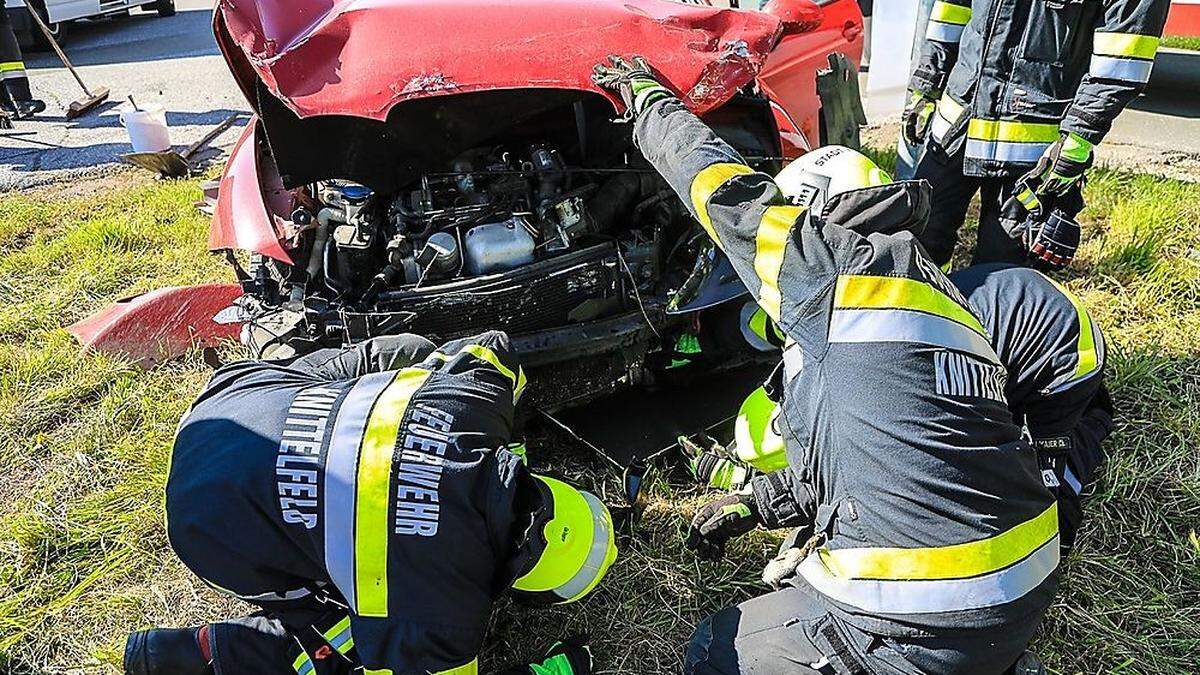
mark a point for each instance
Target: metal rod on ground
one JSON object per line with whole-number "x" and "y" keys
{"x": 91, "y": 99}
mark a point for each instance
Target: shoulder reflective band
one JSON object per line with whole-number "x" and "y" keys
{"x": 870, "y": 292}
{"x": 471, "y": 668}
{"x": 357, "y": 484}
{"x": 303, "y": 665}
{"x": 1009, "y": 141}
{"x": 1089, "y": 346}
{"x": 770, "y": 242}
{"x": 339, "y": 636}
{"x": 1123, "y": 56}
{"x": 946, "y": 22}
{"x": 960, "y": 577}
{"x": 706, "y": 183}
{"x": 490, "y": 357}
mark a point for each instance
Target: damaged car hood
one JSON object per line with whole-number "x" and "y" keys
{"x": 362, "y": 57}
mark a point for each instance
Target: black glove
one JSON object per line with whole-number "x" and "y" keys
{"x": 1053, "y": 241}
{"x": 632, "y": 80}
{"x": 719, "y": 521}
{"x": 569, "y": 657}
{"x": 918, "y": 112}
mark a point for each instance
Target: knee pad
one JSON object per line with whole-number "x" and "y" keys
{"x": 165, "y": 651}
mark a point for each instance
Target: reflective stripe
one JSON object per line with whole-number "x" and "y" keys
{"x": 770, "y": 242}
{"x": 948, "y": 12}
{"x": 1011, "y": 131}
{"x": 341, "y": 465}
{"x": 956, "y": 561}
{"x": 7, "y": 66}
{"x": 588, "y": 575}
{"x": 867, "y": 292}
{"x": 944, "y": 32}
{"x": 12, "y": 75}
{"x": 1125, "y": 44}
{"x": 303, "y": 665}
{"x": 471, "y": 668}
{"x": 706, "y": 183}
{"x": 373, "y": 513}
{"x": 894, "y": 325}
{"x": 269, "y": 596}
{"x": 339, "y": 636}
{"x": 1025, "y": 153}
{"x": 1069, "y": 477}
{"x": 1029, "y": 199}
{"x": 939, "y": 595}
{"x": 1088, "y": 350}
{"x": 485, "y": 354}
{"x": 640, "y": 99}
{"x": 1114, "y": 68}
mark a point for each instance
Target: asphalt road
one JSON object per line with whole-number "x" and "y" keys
{"x": 172, "y": 63}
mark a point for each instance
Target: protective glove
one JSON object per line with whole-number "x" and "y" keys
{"x": 714, "y": 467}
{"x": 570, "y": 657}
{"x": 721, "y": 520}
{"x": 918, "y": 113}
{"x": 782, "y": 567}
{"x": 632, "y": 80}
{"x": 1058, "y": 170}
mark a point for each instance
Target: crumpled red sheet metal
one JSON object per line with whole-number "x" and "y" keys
{"x": 362, "y": 57}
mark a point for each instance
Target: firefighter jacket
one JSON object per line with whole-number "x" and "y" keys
{"x": 1014, "y": 75}
{"x": 903, "y": 452}
{"x": 387, "y": 491}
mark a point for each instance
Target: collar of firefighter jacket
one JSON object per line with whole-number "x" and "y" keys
{"x": 885, "y": 209}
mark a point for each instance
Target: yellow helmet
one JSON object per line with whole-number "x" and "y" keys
{"x": 756, "y": 440}
{"x": 826, "y": 172}
{"x": 574, "y": 544}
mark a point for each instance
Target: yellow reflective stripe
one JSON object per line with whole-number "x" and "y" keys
{"x": 869, "y": 292}
{"x": 372, "y": 523}
{"x": 947, "y": 12}
{"x": 1018, "y": 132}
{"x": 377, "y": 671}
{"x": 471, "y": 668}
{"x": 7, "y": 66}
{"x": 303, "y": 665}
{"x": 485, "y": 354}
{"x": 770, "y": 242}
{"x": 334, "y": 636}
{"x": 706, "y": 183}
{"x": 957, "y": 561}
{"x": 1125, "y": 44}
{"x": 1085, "y": 346}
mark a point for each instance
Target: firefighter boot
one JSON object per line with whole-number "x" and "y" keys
{"x": 165, "y": 651}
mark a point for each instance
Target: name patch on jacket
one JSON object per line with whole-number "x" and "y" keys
{"x": 963, "y": 376}
{"x": 299, "y": 454}
{"x": 419, "y": 471}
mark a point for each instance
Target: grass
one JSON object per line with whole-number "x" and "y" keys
{"x": 85, "y": 440}
{"x": 1181, "y": 42}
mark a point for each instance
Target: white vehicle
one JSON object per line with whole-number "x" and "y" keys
{"x": 58, "y": 14}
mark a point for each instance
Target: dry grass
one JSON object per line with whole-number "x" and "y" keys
{"x": 84, "y": 441}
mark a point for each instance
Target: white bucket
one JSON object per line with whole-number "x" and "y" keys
{"x": 147, "y": 129}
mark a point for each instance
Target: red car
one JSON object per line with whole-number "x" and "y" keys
{"x": 448, "y": 167}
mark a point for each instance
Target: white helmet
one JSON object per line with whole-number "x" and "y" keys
{"x": 826, "y": 172}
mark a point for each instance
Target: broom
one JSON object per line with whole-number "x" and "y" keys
{"x": 91, "y": 98}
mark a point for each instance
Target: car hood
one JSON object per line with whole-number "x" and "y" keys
{"x": 362, "y": 57}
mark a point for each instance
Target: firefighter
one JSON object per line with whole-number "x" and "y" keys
{"x": 1053, "y": 353}
{"x": 369, "y": 502}
{"x": 1011, "y": 98}
{"x": 934, "y": 541}
{"x": 15, "y": 98}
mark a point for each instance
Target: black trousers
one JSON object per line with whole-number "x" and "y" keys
{"x": 12, "y": 66}
{"x": 952, "y": 193}
{"x": 789, "y": 631}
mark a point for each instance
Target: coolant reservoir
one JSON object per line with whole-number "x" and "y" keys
{"x": 497, "y": 247}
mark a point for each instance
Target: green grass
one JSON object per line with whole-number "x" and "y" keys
{"x": 85, "y": 439}
{"x": 1180, "y": 42}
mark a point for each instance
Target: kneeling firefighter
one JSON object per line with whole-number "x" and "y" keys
{"x": 934, "y": 541}
{"x": 1053, "y": 353}
{"x": 369, "y": 502}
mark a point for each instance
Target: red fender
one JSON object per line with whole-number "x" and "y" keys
{"x": 160, "y": 325}
{"x": 249, "y": 202}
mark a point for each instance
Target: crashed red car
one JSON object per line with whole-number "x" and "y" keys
{"x": 448, "y": 167}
